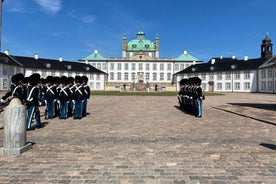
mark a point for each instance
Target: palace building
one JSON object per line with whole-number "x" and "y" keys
{"x": 12, "y": 64}
{"x": 140, "y": 68}
{"x": 233, "y": 75}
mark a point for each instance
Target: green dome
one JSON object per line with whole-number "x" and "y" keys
{"x": 140, "y": 44}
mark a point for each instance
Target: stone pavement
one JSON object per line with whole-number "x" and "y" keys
{"x": 137, "y": 140}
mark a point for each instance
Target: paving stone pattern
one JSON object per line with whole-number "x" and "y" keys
{"x": 149, "y": 140}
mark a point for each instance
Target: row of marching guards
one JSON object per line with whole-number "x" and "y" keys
{"x": 190, "y": 96}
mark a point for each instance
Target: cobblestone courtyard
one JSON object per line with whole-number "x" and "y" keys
{"x": 137, "y": 140}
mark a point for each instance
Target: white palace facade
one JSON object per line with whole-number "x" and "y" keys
{"x": 140, "y": 68}
{"x": 233, "y": 75}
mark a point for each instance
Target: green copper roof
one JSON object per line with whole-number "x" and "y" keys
{"x": 140, "y": 45}
{"x": 186, "y": 57}
{"x": 95, "y": 56}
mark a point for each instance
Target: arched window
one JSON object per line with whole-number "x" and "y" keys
{"x": 126, "y": 76}
{"x": 119, "y": 76}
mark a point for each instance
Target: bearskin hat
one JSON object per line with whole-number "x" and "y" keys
{"x": 64, "y": 80}
{"x": 84, "y": 79}
{"x": 78, "y": 79}
{"x": 71, "y": 80}
{"x": 34, "y": 79}
{"x": 50, "y": 79}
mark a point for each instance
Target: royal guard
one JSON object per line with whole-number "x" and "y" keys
{"x": 63, "y": 97}
{"x": 78, "y": 97}
{"x": 86, "y": 95}
{"x": 50, "y": 97}
{"x": 56, "y": 103}
{"x": 198, "y": 97}
{"x": 32, "y": 101}
{"x": 71, "y": 104}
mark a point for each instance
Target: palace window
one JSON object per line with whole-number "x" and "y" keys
{"x": 111, "y": 66}
{"x": 161, "y": 76}
{"x": 247, "y": 86}
{"x": 140, "y": 66}
{"x": 263, "y": 85}
{"x": 147, "y": 66}
{"x": 147, "y": 76}
{"x": 154, "y": 66}
{"x": 269, "y": 85}
{"x": 246, "y": 75}
{"x": 227, "y": 86}
{"x": 104, "y": 66}
{"x": 111, "y": 76}
{"x": 176, "y": 67}
{"x": 126, "y": 76}
{"x": 119, "y": 76}
{"x": 269, "y": 73}
{"x": 169, "y": 76}
{"x": 169, "y": 67}
{"x": 263, "y": 75}
{"x": 98, "y": 76}
{"x": 5, "y": 70}
{"x": 162, "y": 67}
{"x": 99, "y": 66}
{"x": 182, "y": 66}
{"x": 119, "y": 66}
{"x": 126, "y": 66}
{"x": 133, "y": 66}
{"x": 219, "y": 86}
{"x": 91, "y": 77}
{"x": 18, "y": 70}
{"x": 133, "y": 76}
{"x": 237, "y": 75}
{"x": 237, "y": 86}
{"x": 5, "y": 83}
{"x": 228, "y": 76}
{"x": 219, "y": 76}
{"x": 154, "y": 77}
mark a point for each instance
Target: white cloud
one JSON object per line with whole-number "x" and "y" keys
{"x": 88, "y": 19}
{"x": 49, "y": 6}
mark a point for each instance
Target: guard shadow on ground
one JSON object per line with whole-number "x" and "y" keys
{"x": 244, "y": 115}
{"x": 271, "y": 107}
{"x": 43, "y": 125}
{"x": 189, "y": 112}
{"x": 269, "y": 146}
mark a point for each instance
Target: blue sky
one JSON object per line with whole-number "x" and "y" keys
{"x": 73, "y": 29}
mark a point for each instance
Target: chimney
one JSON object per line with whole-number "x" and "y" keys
{"x": 36, "y": 56}
{"x": 60, "y": 59}
{"x": 245, "y": 57}
{"x": 185, "y": 52}
{"x": 194, "y": 62}
{"x": 95, "y": 51}
{"x": 221, "y": 57}
{"x": 233, "y": 57}
{"x": 213, "y": 61}
{"x": 6, "y": 52}
{"x": 86, "y": 62}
